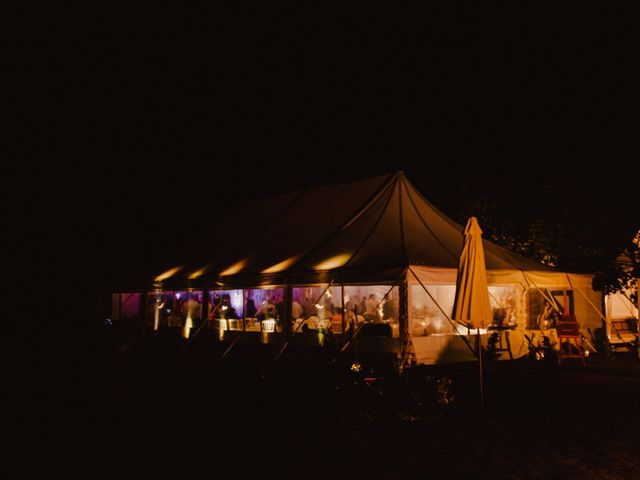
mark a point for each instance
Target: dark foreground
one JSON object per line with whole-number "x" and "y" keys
{"x": 199, "y": 416}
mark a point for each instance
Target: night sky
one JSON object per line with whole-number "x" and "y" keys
{"x": 132, "y": 130}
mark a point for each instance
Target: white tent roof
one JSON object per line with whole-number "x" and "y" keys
{"x": 366, "y": 230}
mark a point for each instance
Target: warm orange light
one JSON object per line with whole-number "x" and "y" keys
{"x": 283, "y": 265}
{"x": 188, "y": 325}
{"x": 333, "y": 262}
{"x": 233, "y": 269}
{"x": 159, "y": 304}
{"x": 168, "y": 274}
{"x": 197, "y": 274}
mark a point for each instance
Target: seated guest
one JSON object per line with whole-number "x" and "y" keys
{"x": 267, "y": 310}
{"x": 352, "y": 321}
{"x": 328, "y": 307}
{"x": 499, "y": 315}
{"x": 389, "y": 310}
{"x": 225, "y": 309}
{"x": 279, "y": 306}
{"x": 336, "y": 320}
{"x": 372, "y": 314}
{"x": 353, "y": 303}
{"x": 296, "y": 310}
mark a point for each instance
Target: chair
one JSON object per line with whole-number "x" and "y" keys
{"x": 324, "y": 323}
{"x": 336, "y": 326}
{"x": 251, "y": 324}
{"x": 624, "y": 334}
{"x": 235, "y": 324}
{"x": 269, "y": 325}
{"x": 312, "y": 322}
{"x": 568, "y": 329}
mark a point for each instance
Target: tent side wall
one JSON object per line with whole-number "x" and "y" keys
{"x": 622, "y": 318}
{"x": 515, "y": 296}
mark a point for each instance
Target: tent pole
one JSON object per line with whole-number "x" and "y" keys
{"x": 481, "y": 373}
{"x": 156, "y": 309}
{"x": 204, "y": 312}
{"x": 288, "y": 299}
{"x": 630, "y": 305}
{"x": 403, "y": 315}
{"x": 343, "y": 329}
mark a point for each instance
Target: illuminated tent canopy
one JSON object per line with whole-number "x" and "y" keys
{"x": 369, "y": 230}
{"x": 379, "y": 231}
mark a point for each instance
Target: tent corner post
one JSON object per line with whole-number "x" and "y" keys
{"x": 403, "y": 317}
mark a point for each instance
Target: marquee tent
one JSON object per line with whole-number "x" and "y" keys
{"x": 379, "y": 232}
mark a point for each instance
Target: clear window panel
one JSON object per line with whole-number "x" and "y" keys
{"x": 314, "y": 307}
{"x": 426, "y": 315}
{"x": 546, "y": 305}
{"x": 187, "y": 312}
{"x": 174, "y": 309}
{"x": 619, "y": 306}
{"x": 372, "y": 304}
{"x": 504, "y": 305}
{"x": 264, "y": 309}
{"x": 226, "y": 308}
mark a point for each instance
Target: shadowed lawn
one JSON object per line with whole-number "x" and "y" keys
{"x": 303, "y": 419}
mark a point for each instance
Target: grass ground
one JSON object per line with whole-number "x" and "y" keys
{"x": 239, "y": 418}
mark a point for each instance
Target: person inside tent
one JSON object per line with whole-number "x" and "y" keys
{"x": 390, "y": 309}
{"x": 372, "y": 314}
{"x": 250, "y": 308}
{"x": 267, "y": 310}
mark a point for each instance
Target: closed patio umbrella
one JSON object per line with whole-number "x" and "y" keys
{"x": 471, "y": 305}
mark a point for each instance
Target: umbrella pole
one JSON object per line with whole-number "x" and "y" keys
{"x": 481, "y": 379}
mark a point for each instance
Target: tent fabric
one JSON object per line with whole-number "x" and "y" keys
{"x": 542, "y": 279}
{"x": 586, "y": 301}
{"x": 378, "y": 224}
{"x": 439, "y": 349}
